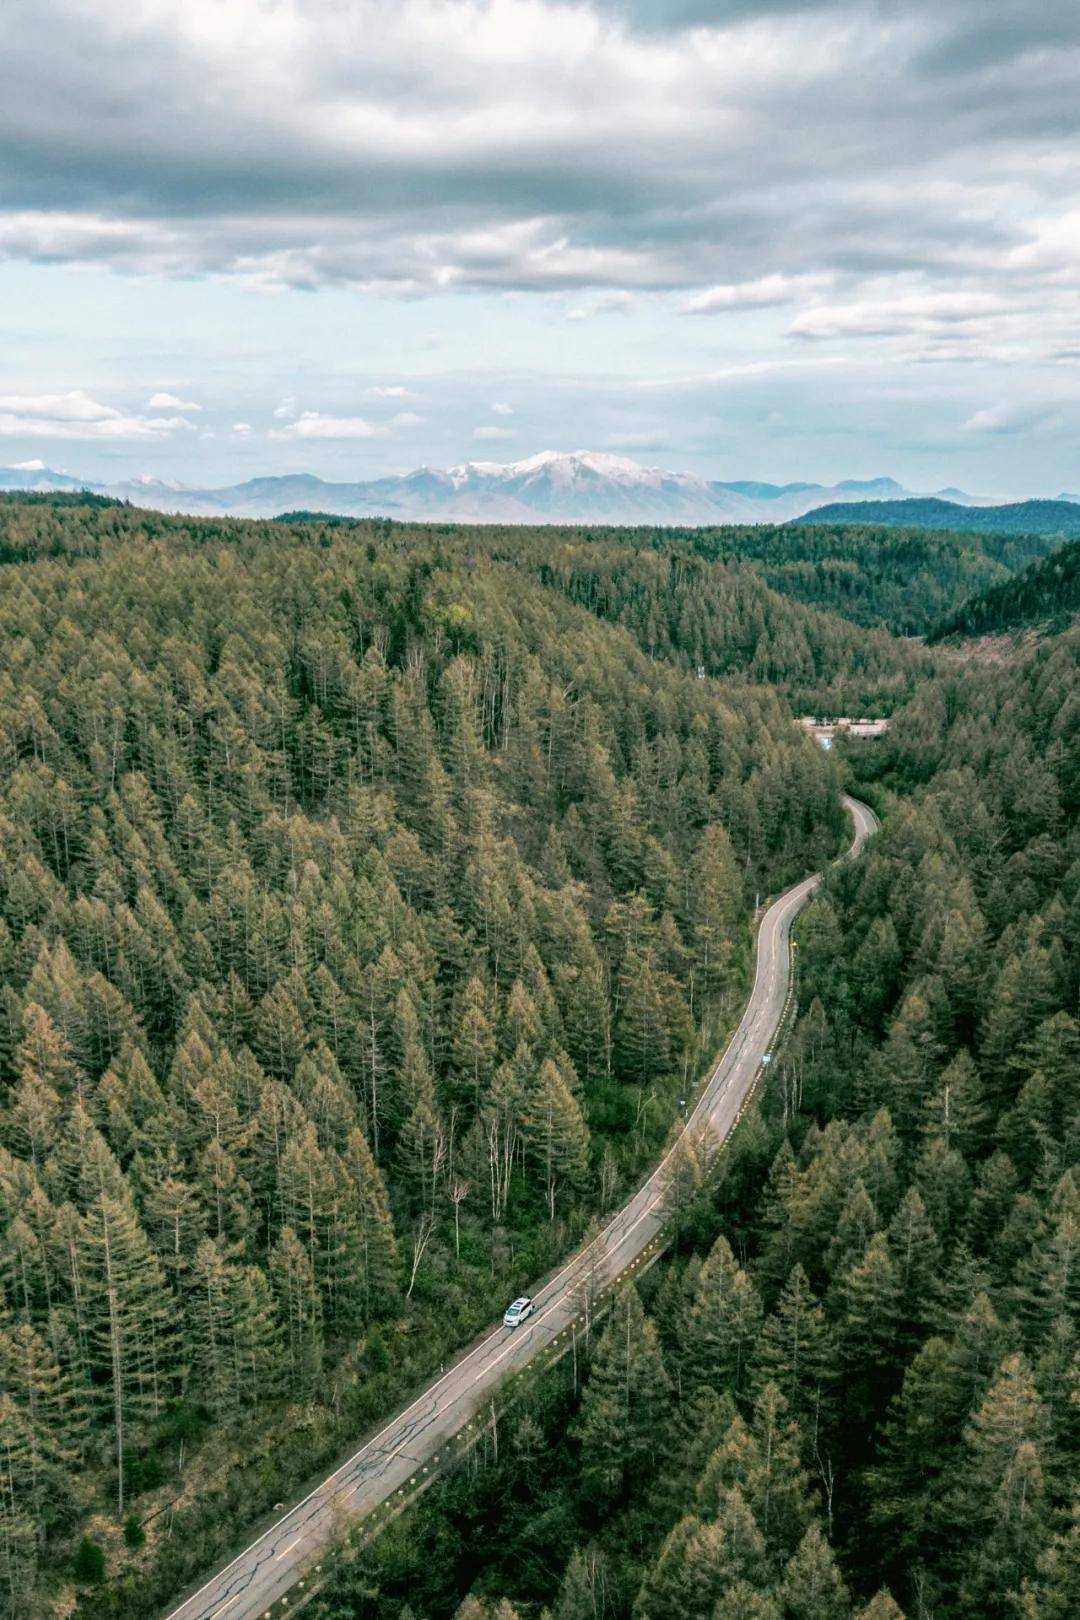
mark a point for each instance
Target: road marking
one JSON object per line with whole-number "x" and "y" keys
{"x": 289, "y": 1548}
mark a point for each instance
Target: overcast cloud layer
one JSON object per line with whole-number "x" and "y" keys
{"x": 693, "y": 226}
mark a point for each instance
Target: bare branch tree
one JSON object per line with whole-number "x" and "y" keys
{"x": 459, "y": 1191}
{"x": 424, "y": 1229}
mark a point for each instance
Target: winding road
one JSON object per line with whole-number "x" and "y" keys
{"x": 408, "y": 1448}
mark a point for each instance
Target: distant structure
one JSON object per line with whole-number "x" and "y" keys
{"x": 825, "y": 730}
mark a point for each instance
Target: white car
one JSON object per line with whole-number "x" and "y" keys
{"x": 518, "y": 1311}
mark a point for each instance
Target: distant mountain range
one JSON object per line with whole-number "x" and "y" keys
{"x": 583, "y": 487}
{"x": 1058, "y": 517}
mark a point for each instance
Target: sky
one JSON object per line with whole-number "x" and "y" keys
{"x": 743, "y": 238}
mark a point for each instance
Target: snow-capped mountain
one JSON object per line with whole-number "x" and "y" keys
{"x": 36, "y": 477}
{"x": 553, "y": 487}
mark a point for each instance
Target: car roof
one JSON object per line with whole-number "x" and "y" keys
{"x": 524, "y": 1300}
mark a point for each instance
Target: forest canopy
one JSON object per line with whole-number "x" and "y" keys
{"x": 369, "y": 894}
{"x": 364, "y": 901}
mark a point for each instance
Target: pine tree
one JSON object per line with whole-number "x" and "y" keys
{"x": 53, "y": 1420}
{"x": 300, "y": 1309}
{"x": 741, "y": 1601}
{"x": 376, "y": 1248}
{"x": 256, "y": 1337}
{"x": 474, "y": 1043}
{"x": 642, "y": 1034}
{"x": 724, "y": 1322}
{"x": 869, "y": 1310}
{"x": 1001, "y": 1495}
{"x": 956, "y": 1108}
{"x": 127, "y": 1312}
{"x": 555, "y": 1135}
{"x": 18, "y": 1532}
{"x": 583, "y": 1594}
{"x": 1053, "y": 1593}
{"x": 881, "y": 1607}
{"x": 45, "y": 1054}
{"x": 688, "y": 1575}
{"x": 624, "y": 1403}
{"x": 211, "y": 1326}
{"x": 713, "y": 905}
{"x": 793, "y": 1351}
{"x": 813, "y": 1588}
{"x": 777, "y": 1486}
{"x": 916, "y": 1255}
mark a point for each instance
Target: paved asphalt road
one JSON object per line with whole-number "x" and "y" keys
{"x": 264, "y": 1572}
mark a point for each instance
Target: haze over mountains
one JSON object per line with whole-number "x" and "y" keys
{"x": 552, "y": 487}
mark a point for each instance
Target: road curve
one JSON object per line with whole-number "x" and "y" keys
{"x": 272, "y": 1565}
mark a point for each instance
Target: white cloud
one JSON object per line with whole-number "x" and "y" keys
{"x": 501, "y": 408}
{"x": 169, "y": 402}
{"x": 494, "y": 433}
{"x": 925, "y": 313}
{"x": 391, "y": 391}
{"x": 617, "y": 302}
{"x": 759, "y": 294}
{"x": 286, "y": 409}
{"x": 406, "y": 419}
{"x": 1010, "y": 418}
{"x": 241, "y": 429}
{"x": 76, "y": 415}
{"x": 317, "y": 425}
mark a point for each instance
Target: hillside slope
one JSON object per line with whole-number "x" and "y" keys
{"x": 1047, "y": 594}
{"x": 1060, "y": 518}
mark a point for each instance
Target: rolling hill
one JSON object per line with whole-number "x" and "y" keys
{"x": 1060, "y": 517}
{"x": 1045, "y": 594}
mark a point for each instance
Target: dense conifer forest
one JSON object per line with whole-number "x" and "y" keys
{"x": 1045, "y": 594}
{"x": 900, "y": 579}
{"x": 853, "y": 1390}
{"x": 369, "y": 894}
{"x": 365, "y": 902}
{"x": 1057, "y": 520}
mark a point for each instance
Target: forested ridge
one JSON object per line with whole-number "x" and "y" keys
{"x": 879, "y": 576}
{"x": 854, "y": 1389}
{"x": 364, "y": 903}
{"x": 1046, "y": 594}
{"x": 665, "y": 586}
{"x": 1054, "y": 519}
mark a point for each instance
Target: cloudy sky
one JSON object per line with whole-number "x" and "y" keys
{"x": 748, "y": 238}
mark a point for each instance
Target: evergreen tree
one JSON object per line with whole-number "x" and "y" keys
{"x": 555, "y": 1134}
{"x": 793, "y": 1351}
{"x": 376, "y": 1245}
{"x": 300, "y": 1310}
{"x": 624, "y": 1404}
{"x": 813, "y": 1588}
{"x": 127, "y": 1315}
{"x": 724, "y": 1322}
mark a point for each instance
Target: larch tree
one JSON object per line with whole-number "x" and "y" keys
{"x": 625, "y": 1401}
{"x": 555, "y": 1135}
{"x": 128, "y": 1321}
